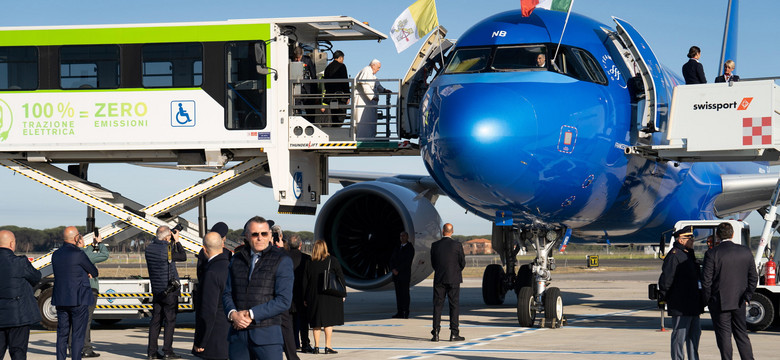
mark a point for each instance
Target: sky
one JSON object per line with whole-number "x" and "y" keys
{"x": 669, "y": 27}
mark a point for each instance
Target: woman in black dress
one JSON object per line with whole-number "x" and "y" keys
{"x": 323, "y": 310}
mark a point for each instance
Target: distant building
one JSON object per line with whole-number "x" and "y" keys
{"x": 478, "y": 247}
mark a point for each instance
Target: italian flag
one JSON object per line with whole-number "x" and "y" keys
{"x": 416, "y": 21}
{"x": 557, "y": 5}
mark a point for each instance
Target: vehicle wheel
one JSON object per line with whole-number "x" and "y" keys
{"x": 526, "y": 311}
{"x": 553, "y": 305}
{"x": 48, "y": 311}
{"x": 493, "y": 291}
{"x": 760, "y": 313}
{"x": 107, "y": 322}
{"x": 525, "y": 277}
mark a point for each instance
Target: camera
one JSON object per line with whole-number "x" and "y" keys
{"x": 95, "y": 244}
{"x": 177, "y": 228}
{"x": 173, "y": 286}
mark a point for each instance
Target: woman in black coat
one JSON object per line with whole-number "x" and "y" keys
{"x": 324, "y": 311}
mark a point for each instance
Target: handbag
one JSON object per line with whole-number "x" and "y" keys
{"x": 331, "y": 284}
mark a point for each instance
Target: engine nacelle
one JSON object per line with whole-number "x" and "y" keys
{"x": 361, "y": 225}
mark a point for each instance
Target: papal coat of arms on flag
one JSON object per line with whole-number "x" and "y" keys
{"x": 416, "y": 21}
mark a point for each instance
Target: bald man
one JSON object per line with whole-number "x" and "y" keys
{"x": 72, "y": 292}
{"x": 448, "y": 261}
{"x": 211, "y": 326}
{"x": 18, "y": 308}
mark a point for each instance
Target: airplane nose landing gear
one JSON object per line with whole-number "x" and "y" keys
{"x": 532, "y": 280}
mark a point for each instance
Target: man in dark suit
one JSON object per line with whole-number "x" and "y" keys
{"x": 211, "y": 326}
{"x": 203, "y": 259}
{"x": 288, "y": 332}
{"x": 161, "y": 257}
{"x": 727, "y": 76}
{"x": 72, "y": 293}
{"x": 729, "y": 280}
{"x": 97, "y": 252}
{"x": 448, "y": 261}
{"x": 679, "y": 285}
{"x": 401, "y": 266}
{"x": 337, "y": 92}
{"x": 300, "y": 324}
{"x": 258, "y": 290}
{"x": 18, "y": 308}
{"x": 693, "y": 71}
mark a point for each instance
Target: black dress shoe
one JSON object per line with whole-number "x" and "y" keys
{"x": 454, "y": 337}
{"x": 307, "y": 349}
{"x": 435, "y": 337}
{"x": 316, "y": 350}
{"x": 156, "y": 356}
{"x": 172, "y": 356}
{"x": 89, "y": 354}
{"x": 398, "y": 316}
{"x": 330, "y": 351}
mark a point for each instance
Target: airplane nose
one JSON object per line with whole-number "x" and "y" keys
{"x": 481, "y": 144}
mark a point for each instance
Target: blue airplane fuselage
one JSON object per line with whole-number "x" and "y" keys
{"x": 548, "y": 147}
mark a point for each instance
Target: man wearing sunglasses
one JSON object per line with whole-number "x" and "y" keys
{"x": 258, "y": 291}
{"x": 680, "y": 286}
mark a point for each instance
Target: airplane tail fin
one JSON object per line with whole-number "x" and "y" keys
{"x": 729, "y": 49}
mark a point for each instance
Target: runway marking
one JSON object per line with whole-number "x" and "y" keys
{"x": 466, "y": 347}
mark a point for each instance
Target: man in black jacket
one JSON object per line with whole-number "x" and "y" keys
{"x": 337, "y": 92}
{"x": 300, "y": 324}
{"x": 401, "y": 266}
{"x": 211, "y": 326}
{"x": 693, "y": 71}
{"x": 161, "y": 256}
{"x": 448, "y": 261}
{"x": 679, "y": 285}
{"x": 257, "y": 292}
{"x": 18, "y": 308}
{"x": 729, "y": 280}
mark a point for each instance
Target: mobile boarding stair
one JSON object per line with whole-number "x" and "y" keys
{"x": 736, "y": 121}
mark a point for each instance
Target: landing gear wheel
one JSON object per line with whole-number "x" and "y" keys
{"x": 553, "y": 306}
{"x": 48, "y": 311}
{"x": 493, "y": 291}
{"x": 526, "y": 311}
{"x": 760, "y": 313}
{"x": 525, "y": 277}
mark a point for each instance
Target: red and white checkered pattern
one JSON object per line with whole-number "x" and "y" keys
{"x": 757, "y": 131}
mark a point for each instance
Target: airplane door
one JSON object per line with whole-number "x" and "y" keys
{"x": 415, "y": 83}
{"x": 656, "y": 96}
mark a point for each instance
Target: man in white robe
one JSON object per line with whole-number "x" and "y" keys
{"x": 366, "y": 98}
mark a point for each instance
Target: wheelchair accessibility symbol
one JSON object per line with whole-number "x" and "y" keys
{"x": 183, "y": 113}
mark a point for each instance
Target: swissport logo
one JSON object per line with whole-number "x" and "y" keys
{"x": 743, "y": 105}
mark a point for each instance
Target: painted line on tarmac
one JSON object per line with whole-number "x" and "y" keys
{"x": 466, "y": 347}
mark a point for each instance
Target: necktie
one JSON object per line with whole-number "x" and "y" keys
{"x": 252, "y": 267}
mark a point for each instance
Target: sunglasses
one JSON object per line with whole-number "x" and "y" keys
{"x": 263, "y": 234}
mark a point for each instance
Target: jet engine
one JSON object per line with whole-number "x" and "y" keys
{"x": 361, "y": 224}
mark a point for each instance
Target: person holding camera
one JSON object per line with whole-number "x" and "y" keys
{"x": 96, "y": 252}
{"x": 161, "y": 257}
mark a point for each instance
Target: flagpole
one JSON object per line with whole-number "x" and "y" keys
{"x": 562, "y": 31}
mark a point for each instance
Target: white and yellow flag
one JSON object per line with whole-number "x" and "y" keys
{"x": 416, "y": 21}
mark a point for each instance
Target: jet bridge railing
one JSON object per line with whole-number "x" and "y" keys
{"x": 342, "y": 117}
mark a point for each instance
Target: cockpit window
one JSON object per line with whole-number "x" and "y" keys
{"x": 595, "y": 73}
{"x": 580, "y": 64}
{"x": 468, "y": 60}
{"x": 509, "y": 58}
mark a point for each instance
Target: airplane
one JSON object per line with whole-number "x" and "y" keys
{"x": 494, "y": 134}
{"x": 539, "y": 149}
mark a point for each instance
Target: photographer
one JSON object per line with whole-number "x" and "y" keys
{"x": 161, "y": 257}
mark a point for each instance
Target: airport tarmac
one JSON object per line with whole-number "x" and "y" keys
{"x": 608, "y": 313}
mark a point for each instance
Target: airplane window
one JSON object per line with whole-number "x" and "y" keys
{"x": 468, "y": 60}
{"x": 591, "y": 66}
{"x": 508, "y": 58}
